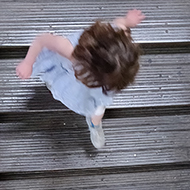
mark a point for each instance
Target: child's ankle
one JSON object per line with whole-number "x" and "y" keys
{"x": 95, "y": 122}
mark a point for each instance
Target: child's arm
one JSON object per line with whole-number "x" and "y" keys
{"x": 58, "y": 44}
{"x": 132, "y": 18}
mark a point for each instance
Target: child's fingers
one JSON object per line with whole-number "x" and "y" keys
{"x": 136, "y": 11}
{"x": 142, "y": 17}
{"x": 139, "y": 12}
{"x": 19, "y": 74}
{"x": 17, "y": 71}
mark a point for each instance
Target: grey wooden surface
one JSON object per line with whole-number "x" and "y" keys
{"x": 163, "y": 80}
{"x": 43, "y": 145}
{"x": 166, "y": 21}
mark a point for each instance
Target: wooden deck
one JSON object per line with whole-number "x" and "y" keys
{"x": 43, "y": 145}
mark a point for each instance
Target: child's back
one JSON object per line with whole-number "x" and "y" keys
{"x": 58, "y": 74}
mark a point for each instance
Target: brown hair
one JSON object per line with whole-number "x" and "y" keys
{"x": 106, "y": 57}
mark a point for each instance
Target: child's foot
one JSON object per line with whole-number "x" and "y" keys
{"x": 96, "y": 134}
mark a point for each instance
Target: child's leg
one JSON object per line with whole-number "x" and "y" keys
{"x": 95, "y": 127}
{"x": 96, "y": 119}
{"x": 98, "y": 115}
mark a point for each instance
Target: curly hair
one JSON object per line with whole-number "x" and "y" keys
{"x": 106, "y": 57}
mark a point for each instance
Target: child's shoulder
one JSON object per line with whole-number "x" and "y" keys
{"x": 74, "y": 37}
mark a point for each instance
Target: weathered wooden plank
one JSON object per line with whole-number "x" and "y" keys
{"x": 163, "y": 80}
{"x": 147, "y": 180}
{"x": 59, "y": 141}
{"x": 21, "y": 21}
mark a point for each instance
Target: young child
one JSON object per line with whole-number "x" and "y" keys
{"x": 84, "y": 70}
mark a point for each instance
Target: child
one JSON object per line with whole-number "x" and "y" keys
{"x": 84, "y": 70}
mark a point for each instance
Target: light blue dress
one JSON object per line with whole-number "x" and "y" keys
{"x": 58, "y": 74}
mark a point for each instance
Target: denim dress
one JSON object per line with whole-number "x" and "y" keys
{"x": 57, "y": 73}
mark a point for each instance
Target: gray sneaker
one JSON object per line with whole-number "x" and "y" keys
{"x": 96, "y": 134}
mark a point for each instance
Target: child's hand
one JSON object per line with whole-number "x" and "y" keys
{"x": 134, "y": 17}
{"x": 24, "y": 70}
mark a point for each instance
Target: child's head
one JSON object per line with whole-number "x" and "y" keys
{"x": 106, "y": 57}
